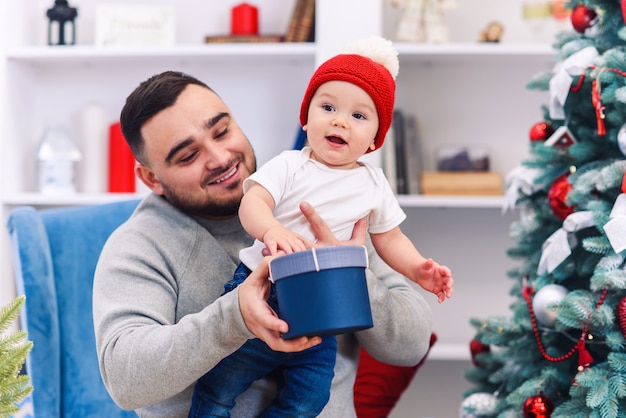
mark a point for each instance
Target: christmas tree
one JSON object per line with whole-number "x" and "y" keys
{"x": 562, "y": 351}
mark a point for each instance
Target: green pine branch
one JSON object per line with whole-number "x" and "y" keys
{"x": 14, "y": 386}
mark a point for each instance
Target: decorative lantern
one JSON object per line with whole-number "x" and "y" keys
{"x": 62, "y": 14}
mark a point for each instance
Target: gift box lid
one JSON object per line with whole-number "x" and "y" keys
{"x": 317, "y": 259}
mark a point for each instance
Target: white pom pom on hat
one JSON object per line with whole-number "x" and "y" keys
{"x": 379, "y": 50}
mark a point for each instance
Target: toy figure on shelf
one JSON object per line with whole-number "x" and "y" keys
{"x": 423, "y": 20}
{"x": 492, "y": 33}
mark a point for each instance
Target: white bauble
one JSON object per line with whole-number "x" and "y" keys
{"x": 478, "y": 405}
{"x": 544, "y": 301}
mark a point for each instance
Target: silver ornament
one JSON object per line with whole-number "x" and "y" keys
{"x": 544, "y": 301}
{"x": 478, "y": 405}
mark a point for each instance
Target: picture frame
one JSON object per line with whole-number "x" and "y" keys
{"x": 135, "y": 25}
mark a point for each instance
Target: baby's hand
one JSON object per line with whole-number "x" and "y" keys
{"x": 278, "y": 238}
{"x": 436, "y": 279}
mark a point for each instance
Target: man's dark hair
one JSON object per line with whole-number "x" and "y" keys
{"x": 149, "y": 98}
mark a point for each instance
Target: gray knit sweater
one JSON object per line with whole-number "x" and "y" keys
{"x": 161, "y": 324}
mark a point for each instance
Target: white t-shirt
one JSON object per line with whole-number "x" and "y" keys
{"x": 339, "y": 196}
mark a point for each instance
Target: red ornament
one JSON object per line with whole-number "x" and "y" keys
{"x": 624, "y": 10}
{"x": 621, "y": 315}
{"x": 538, "y": 406}
{"x": 583, "y": 18}
{"x": 541, "y": 131}
{"x": 476, "y": 347}
{"x": 557, "y": 195}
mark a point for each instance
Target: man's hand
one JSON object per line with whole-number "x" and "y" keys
{"x": 261, "y": 319}
{"x": 324, "y": 235}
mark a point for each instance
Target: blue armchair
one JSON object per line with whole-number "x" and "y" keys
{"x": 55, "y": 252}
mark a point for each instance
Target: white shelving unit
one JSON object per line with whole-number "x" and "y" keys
{"x": 417, "y": 201}
{"x": 463, "y": 93}
{"x": 273, "y": 53}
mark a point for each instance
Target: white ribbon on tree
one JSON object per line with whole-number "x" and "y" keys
{"x": 564, "y": 73}
{"x": 615, "y": 228}
{"x": 560, "y": 244}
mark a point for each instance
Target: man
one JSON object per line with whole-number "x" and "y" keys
{"x": 159, "y": 318}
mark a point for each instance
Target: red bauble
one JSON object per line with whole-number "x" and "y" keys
{"x": 538, "y": 406}
{"x": 557, "y": 195}
{"x": 476, "y": 347}
{"x": 624, "y": 10}
{"x": 541, "y": 131}
{"x": 621, "y": 315}
{"x": 583, "y": 18}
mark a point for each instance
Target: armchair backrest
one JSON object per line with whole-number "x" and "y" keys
{"x": 55, "y": 252}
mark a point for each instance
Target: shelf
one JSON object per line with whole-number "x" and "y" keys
{"x": 230, "y": 52}
{"x": 78, "y": 199}
{"x": 265, "y": 52}
{"x": 449, "y": 352}
{"x": 421, "y": 201}
{"x": 507, "y": 53}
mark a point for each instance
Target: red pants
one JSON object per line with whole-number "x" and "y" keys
{"x": 378, "y": 385}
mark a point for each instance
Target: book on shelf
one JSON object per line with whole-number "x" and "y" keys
{"x": 413, "y": 156}
{"x": 399, "y": 146}
{"x": 470, "y": 183}
{"x": 388, "y": 158}
{"x": 402, "y": 154}
{"x": 302, "y": 23}
{"x": 243, "y": 38}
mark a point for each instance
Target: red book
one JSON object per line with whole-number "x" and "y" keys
{"x": 121, "y": 162}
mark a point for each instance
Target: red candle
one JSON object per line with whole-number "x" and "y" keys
{"x": 244, "y": 20}
{"x": 121, "y": 162}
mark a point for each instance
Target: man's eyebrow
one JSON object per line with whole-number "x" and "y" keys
{"x": 176, "y": 148}
{"x": 215, "y": 119}
{"x": 186, "y": 142}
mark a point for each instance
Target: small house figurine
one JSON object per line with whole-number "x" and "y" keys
{"x": 57, "y": 159}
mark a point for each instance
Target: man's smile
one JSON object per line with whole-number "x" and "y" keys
{"x": 227, "y": 176}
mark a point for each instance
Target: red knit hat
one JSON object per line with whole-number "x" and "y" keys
{"x": 371, "y": 64}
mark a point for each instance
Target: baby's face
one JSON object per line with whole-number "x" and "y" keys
{"x": 342, "y": 124}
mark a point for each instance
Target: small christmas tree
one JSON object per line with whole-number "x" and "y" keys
{"x": 14, "y": 386}
{"x": 562, "y": 352}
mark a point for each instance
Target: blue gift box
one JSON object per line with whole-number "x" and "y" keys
{"x": 322, "y": 291}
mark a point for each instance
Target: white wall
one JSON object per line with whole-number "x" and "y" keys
{"x": 7, "y": 290}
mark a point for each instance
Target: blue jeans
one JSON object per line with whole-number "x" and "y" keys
{"x": 303, "y": 379}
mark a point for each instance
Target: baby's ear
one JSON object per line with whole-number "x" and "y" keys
{"x": 305, "y": 127}
{"x": 373, "y": 145}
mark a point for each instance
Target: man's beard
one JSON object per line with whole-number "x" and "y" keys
{"x": 207, "y": 207}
